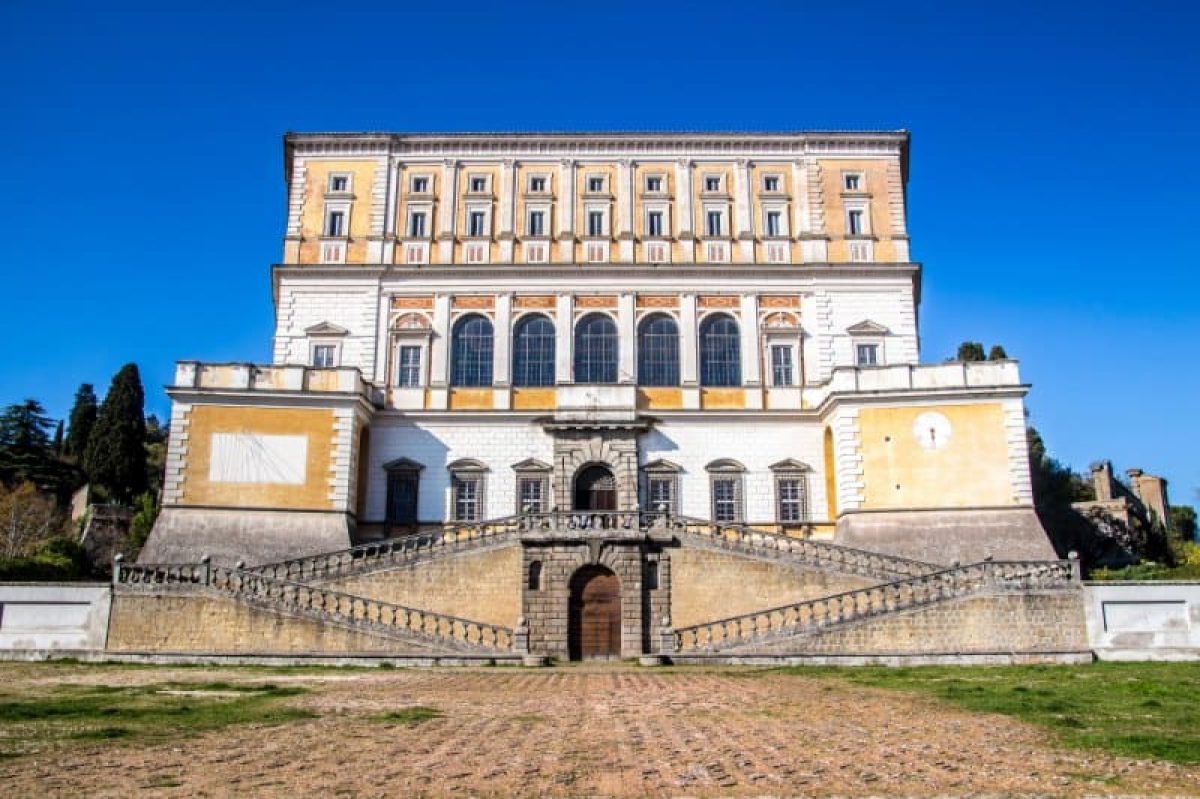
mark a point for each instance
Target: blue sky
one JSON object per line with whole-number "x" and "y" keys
{"x": 1052, "y": 195}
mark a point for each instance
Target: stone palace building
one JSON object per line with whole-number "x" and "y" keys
{"x": 611, "y": 385}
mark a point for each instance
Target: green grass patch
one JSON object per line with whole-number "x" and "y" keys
{"x": 1141, "y": 710}
{"x": 410, "y": 716}
{"x": 145, "y": 713}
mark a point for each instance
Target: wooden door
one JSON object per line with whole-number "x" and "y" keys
{"x": 594, "y": 628}
{"x": 595, "y": 489}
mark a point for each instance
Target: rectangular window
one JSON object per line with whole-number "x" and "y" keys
{"x": 771, "y": 183}
{"x": 467, "y": 496}
{"x": 712, "y": 183}
{"x": 339, "y": 183}
{"x": 420, "y": 185}
{"x": 661, "y": 492}
{"x": 416, "y": 224}
{"x": 537, "y": 184}
{"x": 408, "y": 370}
{"x": 726, "y": 507}
{"x": 793, "y": 499}
{"x": 774, "y": 223}
{"x": 781, "y": 365}
{"x": 866, "y": 354}
{"x": 335, "y": 223}
{"x": 712, "y": 223}
{"x": 595, "y": 183}
{"x": 476, "y": 224}
{"x": 654, "y": 184}
{"x": 478, "y": 183}
{"x": 654, "y": 223}
{"x": 531, "y": 493}
{"x": 595, "y": 223}
{"x": 854, "y": 222}
{"x": 852, "y": 181}
{"x": 537, "y": 223}
{"x": 324, "y": 356}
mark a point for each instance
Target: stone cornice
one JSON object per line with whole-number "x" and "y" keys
{"x": 547, "y": 145}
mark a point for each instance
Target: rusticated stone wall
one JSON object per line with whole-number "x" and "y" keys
{"x": 480, "y": 586}
{"x": 186, "y": 622}
{"x": 708, "y": 585}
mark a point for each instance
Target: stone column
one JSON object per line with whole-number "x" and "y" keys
{"x": 683, "y": 201}
{"x": 508, "y": 207}
{"x": 626, "y": 339}
{"x": 563, "y": 338}
{"x": 566, "y": 211}
{"x": 688, "y": 351}
{"x": 624, "y": 195}
{"x": 502, "y": 337}
{"x": 439, "y": 355}
{"x": 744, "y": 210}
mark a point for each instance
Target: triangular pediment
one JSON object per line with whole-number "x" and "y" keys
{"x": 531, "y": 465}
{"x": 403, "y": 465}
{"x": 867, "y": 328}
{"x": 662, "y": 465}
{"x": 790, "y": 465}
{"x": 325, "y": 329}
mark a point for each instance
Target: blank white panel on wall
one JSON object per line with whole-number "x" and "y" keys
{"x": 256, "y": 458}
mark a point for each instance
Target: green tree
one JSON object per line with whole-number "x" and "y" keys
{"x": 26, "y": 452}
{"x": 156, "y": 452}
{"x": 997, "y": 353}
{"x": 1183, "y": 521}
{"x": 115, "y": 458}
{"x": 970, "y": 351}
{"x": 81, "y": 421}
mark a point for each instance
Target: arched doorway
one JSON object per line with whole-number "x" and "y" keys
{"x": 595, "y": 489}
{"x": 594, "y": 616}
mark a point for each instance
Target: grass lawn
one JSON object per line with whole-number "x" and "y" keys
{"x": 1140, "y": 710}
{"x": 60, "y": 714}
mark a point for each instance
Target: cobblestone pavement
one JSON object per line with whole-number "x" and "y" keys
{"x": 592, "y": 731}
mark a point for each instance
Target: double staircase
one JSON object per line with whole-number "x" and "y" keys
{"x": 294, "y": 586}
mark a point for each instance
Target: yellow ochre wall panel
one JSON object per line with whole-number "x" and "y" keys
{"x": 316, "y": 425}
{"x": 313, "y": 217}
{"x": 722, "y": 398}
{"x": 874, "y": 182}
{"x": 471, "y": 399}
{"x": 660, "y": 398}
{"x": 534, "y": 399}
{"x": 969, "y": 469}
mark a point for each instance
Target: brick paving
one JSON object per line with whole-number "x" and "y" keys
{"x": 611, "y": 730}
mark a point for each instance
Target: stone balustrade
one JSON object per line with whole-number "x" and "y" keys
{"x": 812, "y": 615}
{"x": 320, "y": 603}
{"x": 262, "y": 378}
{"x": 906, "y": 377}
{"x": 818, "y": 553}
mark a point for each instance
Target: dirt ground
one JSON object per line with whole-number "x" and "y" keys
{"x": 613, "y": 730}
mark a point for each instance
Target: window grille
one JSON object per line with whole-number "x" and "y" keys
{"x": 533, "y": 352}
{"x": 596, "y": 350}
{"x": 658, "y": 351}
{"x": 471, "y": 352}
{"x": 720, "y": 352}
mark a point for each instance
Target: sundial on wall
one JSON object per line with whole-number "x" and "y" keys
{"x": 932, "y": 430}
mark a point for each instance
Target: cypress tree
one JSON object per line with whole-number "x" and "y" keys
{"x": 997, "y": 353}
{"x": 970, "y": 351}
{"x": 82, "y": 420}
{"x": 115, "y": 457}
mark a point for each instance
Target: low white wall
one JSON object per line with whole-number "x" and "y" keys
{"x": 54, "y": 615}
{"x": 1143, "y": 620}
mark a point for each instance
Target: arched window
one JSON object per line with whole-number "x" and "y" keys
{"x": 596, "y": 350}
{"x": 720, "y": 352}
{"x": 533, "y": 352}
{"x": 471, "y": 352}
{"x": 658, "y": 351}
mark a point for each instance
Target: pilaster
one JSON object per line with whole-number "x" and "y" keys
{"x": 447, "y": 211}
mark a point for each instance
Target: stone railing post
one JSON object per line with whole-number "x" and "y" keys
{"x": 118, "y": 559}
{"x": 666, "y": 637}
{"x": 206, "y": 562}
{"x": 1076, "y": 566}
{"x": 521, "y": 636}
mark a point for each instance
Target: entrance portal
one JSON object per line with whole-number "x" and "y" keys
{"x": 594, "y": 618}
{"x": 595, "y": 489}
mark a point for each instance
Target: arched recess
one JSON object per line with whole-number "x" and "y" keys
{"x": 595, "y": 488}
{"x": 830, "y": 476}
